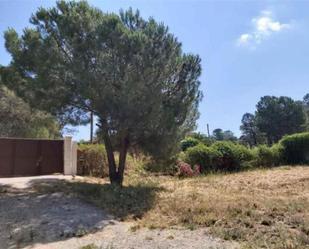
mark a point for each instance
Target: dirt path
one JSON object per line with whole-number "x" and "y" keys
{"x": 32, "y": 220}
{"x": 119, "y": 236}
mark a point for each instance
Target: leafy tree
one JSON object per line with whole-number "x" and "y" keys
{"x": 250, "y": 133}
{"x": 217, "y": 134}
{"x": 20, "y": 82}
{"x": 17, "y": 119}
{"x": 220, "y": 135}
{"x": 277, "y": 117}
{"x": 229, "y": 136}
{"x": 129, "y": 71}
{"x": 202, "y": 138}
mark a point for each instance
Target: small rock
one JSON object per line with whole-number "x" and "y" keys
{"x": 68, "y": 232}
{"x": 22, "y": 235}
{"x": 81, "y": 231}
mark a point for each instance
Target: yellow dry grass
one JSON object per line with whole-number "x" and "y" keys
{"x": 264, "y": 208}
{"x": 261, "y": 209}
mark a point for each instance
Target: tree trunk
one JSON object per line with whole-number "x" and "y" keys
{"x": 122, "y": 158}
{"x": 110, "y": 155}
{"x": 115, "y": 175}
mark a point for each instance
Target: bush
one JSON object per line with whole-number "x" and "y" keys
{"x": 203, "y": 156}
{"x": 92, "y": 160}
{"x": 202, "y": 138}
{"x": 185, "y": 169}
{"x": 188, "y": 142}
{"x": 267, "y": 156}
{"x": 232, "y": 156}
{"x": 295, "y": 148}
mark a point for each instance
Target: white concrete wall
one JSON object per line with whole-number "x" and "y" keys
{"x": 70, "y": 156}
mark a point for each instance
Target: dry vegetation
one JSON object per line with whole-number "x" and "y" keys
{"x": 260, "y": 209}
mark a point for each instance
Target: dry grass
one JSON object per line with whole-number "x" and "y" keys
{"x": 264, "y": 208}
{"x": 261, "y": 209}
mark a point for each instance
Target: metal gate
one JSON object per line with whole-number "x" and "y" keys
{"x": 30, "y": 157}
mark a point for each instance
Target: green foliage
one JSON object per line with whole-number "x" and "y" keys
{"x": 232, "y": 155}
{"x": 220, "y": 135}
{"x": 221, "y": 156}
{"x": 277, "y": 117}
{"x": 130, "y": 72}
{"x": 204, "y": 156}
{"x": 250, "y": 133}
{"x": 90, "y": 246}
{"x": 217, "y": 134}
{"x": 202, "y": 138}
{"x": 188, "y": 142}
{"x": 265, "y": 156}
{"x": 92, "y": 160}
{"x": 229, "y": 156}
{"x": 18, "y": 119}
{"x": 165, "y": 166}
{"x": 295, "y": 148}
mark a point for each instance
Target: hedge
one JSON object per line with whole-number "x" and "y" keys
{"x": 233, "y": 156}
{"x": 295, "y": 148}
{"x": 203, "y": 156}
{"x": 221, "y": 156}
{"x": 265, "y": 156}
{"x": 92, "y": 160}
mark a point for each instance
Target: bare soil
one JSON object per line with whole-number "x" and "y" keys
{"x": 55, "y": 219}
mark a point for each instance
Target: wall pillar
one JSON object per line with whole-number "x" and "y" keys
{"x": 69, "y": 156}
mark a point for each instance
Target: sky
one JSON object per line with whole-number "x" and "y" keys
{"x": 249, "y": 49}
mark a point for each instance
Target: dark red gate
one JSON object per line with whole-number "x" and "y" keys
{"x": 30, "y": 157}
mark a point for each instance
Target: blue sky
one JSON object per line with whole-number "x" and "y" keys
{"x": 248, "y": 48}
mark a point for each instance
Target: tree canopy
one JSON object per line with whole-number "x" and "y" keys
{"x": 17, "y": 119}
{"x": 130, "y": 72}
{"x": 279, "y": 116}
{"x": 220, "y": 135}
{"x": 251, "y": 135}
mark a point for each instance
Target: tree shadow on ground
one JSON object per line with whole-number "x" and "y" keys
{"x": 52, "y": 210}
{"x": 130, "y": 201}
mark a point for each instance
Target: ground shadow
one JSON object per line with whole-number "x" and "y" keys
{"x": 122, "y": 202}
{"x": 51, "y": 210}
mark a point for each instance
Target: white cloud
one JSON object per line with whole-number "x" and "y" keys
{"x": 263, "y": 26}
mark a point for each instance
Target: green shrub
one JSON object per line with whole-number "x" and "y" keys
{"x": 202, "y": 138}
{"x": 232, "y": 156}
{"x": 267, "y": 156}
{"x": 188, "y": 142}
{"x": 203, "y": 156}
{"x": 164, "y": 166}
{"x": 295, "y": 148}
{"x": 92, "y": 160}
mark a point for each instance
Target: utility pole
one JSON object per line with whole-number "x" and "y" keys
{"x": 91, "y": 127}
{"x": 208, "y": 130}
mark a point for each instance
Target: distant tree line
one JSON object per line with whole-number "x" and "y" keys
{"x": 274, "y": 118}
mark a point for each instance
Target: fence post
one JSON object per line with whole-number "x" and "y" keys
{"x": 70, "y": 156}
